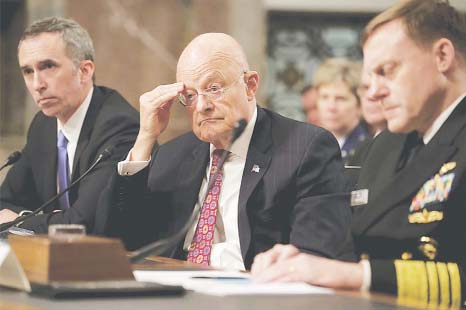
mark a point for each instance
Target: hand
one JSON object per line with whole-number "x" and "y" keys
{"x": 284, "y": 263}
{"x": 154, "y": 116}
{"x": 6, "y": 215}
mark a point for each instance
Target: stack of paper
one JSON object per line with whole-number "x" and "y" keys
{"x": 222, "y": 283}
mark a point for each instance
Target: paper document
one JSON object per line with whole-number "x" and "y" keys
{"x": 223, "y": 283}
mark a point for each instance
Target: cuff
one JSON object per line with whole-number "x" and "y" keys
{"x": 128, "y": 167}
{"x": 366, "y": 275}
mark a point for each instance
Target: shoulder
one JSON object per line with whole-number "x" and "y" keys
{"x": 41, "y": 124}
{"x": 112, "y": 102}
{"x": 181, "y": 143}
{"x": 285, "y": 128}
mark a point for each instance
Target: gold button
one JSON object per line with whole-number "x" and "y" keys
{"x": 406, "y": 256}
{"x": 364, "y": 256}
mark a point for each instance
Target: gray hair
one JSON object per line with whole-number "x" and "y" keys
{"x": 78, "y": 43}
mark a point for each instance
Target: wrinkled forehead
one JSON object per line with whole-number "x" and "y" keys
{"x": 40, "y": 47}
{"x": 385, "y": 44}
{"x": 217, "y": 65}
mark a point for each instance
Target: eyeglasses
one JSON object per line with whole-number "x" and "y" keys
{"x": 214, "y": 93}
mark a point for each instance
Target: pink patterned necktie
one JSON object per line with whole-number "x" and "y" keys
{"x": 201, "y": 246}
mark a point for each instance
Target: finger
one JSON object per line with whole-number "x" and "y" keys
{"x": 284, "y": 271}
{"x": 161, "y": 89}
{"x": 286, "y": 252}
{"x": 161, "y": 102}
{"x": 161, "y": 94}
{"x": 264, "y": 260}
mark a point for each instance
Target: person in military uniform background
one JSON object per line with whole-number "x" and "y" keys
{"x": 338, "y": 104}
{"x": 409, "y": 225}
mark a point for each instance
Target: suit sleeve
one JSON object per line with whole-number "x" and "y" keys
{"x": 116, "y": 130}
{"x": 132, "y": 216}
{"x": 18, "y": 191}
{"x": 426, "y": 283}
{"x": 322, "y": 205}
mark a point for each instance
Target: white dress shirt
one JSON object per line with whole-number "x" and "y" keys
{"x": 72, "y": 128}
{"x": 226, "y": 250}
{"x": 440, "y": 120}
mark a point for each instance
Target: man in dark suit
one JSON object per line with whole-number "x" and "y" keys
{"x": 56, "y": 59}
{"x": 277, "y": 179}
{"x": 408, "y": 222}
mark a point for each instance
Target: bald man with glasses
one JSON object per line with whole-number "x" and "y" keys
{"x": 282, "y": 180}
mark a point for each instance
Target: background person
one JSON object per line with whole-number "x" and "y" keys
{"x": 337, "y": 81}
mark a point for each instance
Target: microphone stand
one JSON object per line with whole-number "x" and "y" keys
{"x": 162, "y": 245}
{"x": 14, "y": 157}
{"x": 5, "y": 226}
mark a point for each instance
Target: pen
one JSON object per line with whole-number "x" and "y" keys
{"x": 219, "y": 278}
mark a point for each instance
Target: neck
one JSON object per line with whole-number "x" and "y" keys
{"x": 82, "y": 96}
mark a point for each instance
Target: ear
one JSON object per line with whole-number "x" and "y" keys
{"x": 252, "y": 84}
{"x": 86, "y": 69}
{"x": 444, "y": 53}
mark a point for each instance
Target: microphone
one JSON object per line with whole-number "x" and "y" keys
{"x": 14, "y": 157}
{"x": 160, "y": 246}
{"x": 103, "y": 156}
{"x": 238, "y": 130}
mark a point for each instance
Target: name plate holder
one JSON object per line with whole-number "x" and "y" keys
{"x": 45, "y": 259}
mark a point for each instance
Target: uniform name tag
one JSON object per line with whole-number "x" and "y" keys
{"x": 359, "y": 197}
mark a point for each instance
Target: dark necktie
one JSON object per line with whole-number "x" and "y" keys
{"x": 62, "y": 169}
{"x": 201, "y": 245}
{"x": 414, "y": 144}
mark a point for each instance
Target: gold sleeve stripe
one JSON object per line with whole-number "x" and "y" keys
{"x": 455, "y": 283}
{"x": 411, "y": 278}
{"x": 444, "y": 280}
{"x": 433, "y": 283}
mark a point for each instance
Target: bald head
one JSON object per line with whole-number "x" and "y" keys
{"x": 214, "y": 70}
{"x": 212, "y": 47}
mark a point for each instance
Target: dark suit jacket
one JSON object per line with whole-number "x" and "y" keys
{"x": 110, "y": 120}
{"x": 295, "y": 198}
{"x": 381, "y": 228}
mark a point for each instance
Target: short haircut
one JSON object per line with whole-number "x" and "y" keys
{"x": 78, "y": 43}
{"x": 306, "y": 88}
{"x": 335, "y": 70}
{"x": 425, "y": 21}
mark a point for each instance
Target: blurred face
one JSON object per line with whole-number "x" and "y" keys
{"x": 309, "y": 99}
{"x": 338, "y": 108}
{"x": 372, "y": 111}
{"x": 404, "y": 78}
{"x": 213, "y": 120}
{"x": 50, "y": 76}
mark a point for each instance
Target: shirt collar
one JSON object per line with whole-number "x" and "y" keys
{"x": 72, "y": 128}
{"x": 241, "y": 145}
{"x": 441, "y": 119}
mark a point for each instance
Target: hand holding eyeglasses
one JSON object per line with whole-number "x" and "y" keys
{"x": 154, "y": 110}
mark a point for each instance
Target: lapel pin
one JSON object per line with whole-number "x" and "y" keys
{"x": 255, "y": 169}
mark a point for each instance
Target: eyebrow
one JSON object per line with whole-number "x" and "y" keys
{"x": 40, "y": 63}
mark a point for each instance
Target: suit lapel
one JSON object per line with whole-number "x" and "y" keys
{"x": 409, "y": 180}
{"x": 86, "y": 130}
{"x": 190, "y": 176}
{"x": 48, "y": 168}
{"x": 257, "y": 163}
{"x": 189, "y": 179}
